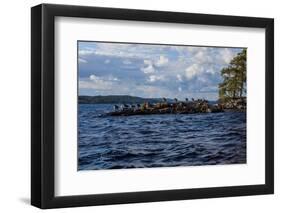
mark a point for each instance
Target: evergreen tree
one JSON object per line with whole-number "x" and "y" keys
{"x": 234, "y": 78}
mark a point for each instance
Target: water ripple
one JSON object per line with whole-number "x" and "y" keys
{"x": 159, "y": 140}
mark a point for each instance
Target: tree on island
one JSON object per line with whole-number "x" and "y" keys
{"x": 234, "y": 78}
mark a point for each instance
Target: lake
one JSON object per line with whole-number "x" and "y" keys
{"x": 145, "y": 141}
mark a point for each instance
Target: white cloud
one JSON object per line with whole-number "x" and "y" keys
{"x": 149, "y": 68}
{"x": 112, "y": 78}
{"x": 161, "y": 61}
{"x": 148, "y": 62}
{"x": 193, "y": 71}
{"x": 107, "y": 61}
{"x": 96, "y": 84}
{"x": 179, "y": 89}
{"x": 153, "y": 78}
{"x": 226, "y": 55}
{"x": 203, "y": 56}
{"x": 179, "y": 78}
{"x": 104, "y": 78}
{"x": 212, "y": 70}
{"x": 81, "y": 60}
{"x": 99, "y": 83}
{"x": 86, "y": 52}
{"x": 94, "y": 78}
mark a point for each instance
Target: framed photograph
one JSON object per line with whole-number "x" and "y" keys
{"x": 139, "y": 106}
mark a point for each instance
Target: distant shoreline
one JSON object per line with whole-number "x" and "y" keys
{"x": 119, "y": 99}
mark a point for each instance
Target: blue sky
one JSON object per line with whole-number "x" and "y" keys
{"x": 151, "y": 71}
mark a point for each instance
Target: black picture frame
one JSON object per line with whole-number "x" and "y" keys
{"x": 43, "y": 102}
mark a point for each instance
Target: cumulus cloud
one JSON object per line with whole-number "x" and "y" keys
{"x": 192, "y": 71}
{"x": 202, "y": 57}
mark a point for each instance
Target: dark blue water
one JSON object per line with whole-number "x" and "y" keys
{"x": 159, "y": 140}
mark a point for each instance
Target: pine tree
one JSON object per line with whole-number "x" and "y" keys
{"x": 234, "y": 78}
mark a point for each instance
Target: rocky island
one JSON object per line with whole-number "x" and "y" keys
{"x": 178, "y": 107}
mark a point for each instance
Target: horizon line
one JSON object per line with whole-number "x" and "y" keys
{"x": 148, "y": 97}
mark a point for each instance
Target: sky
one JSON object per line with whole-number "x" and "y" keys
{"x": 151, "y": 71}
